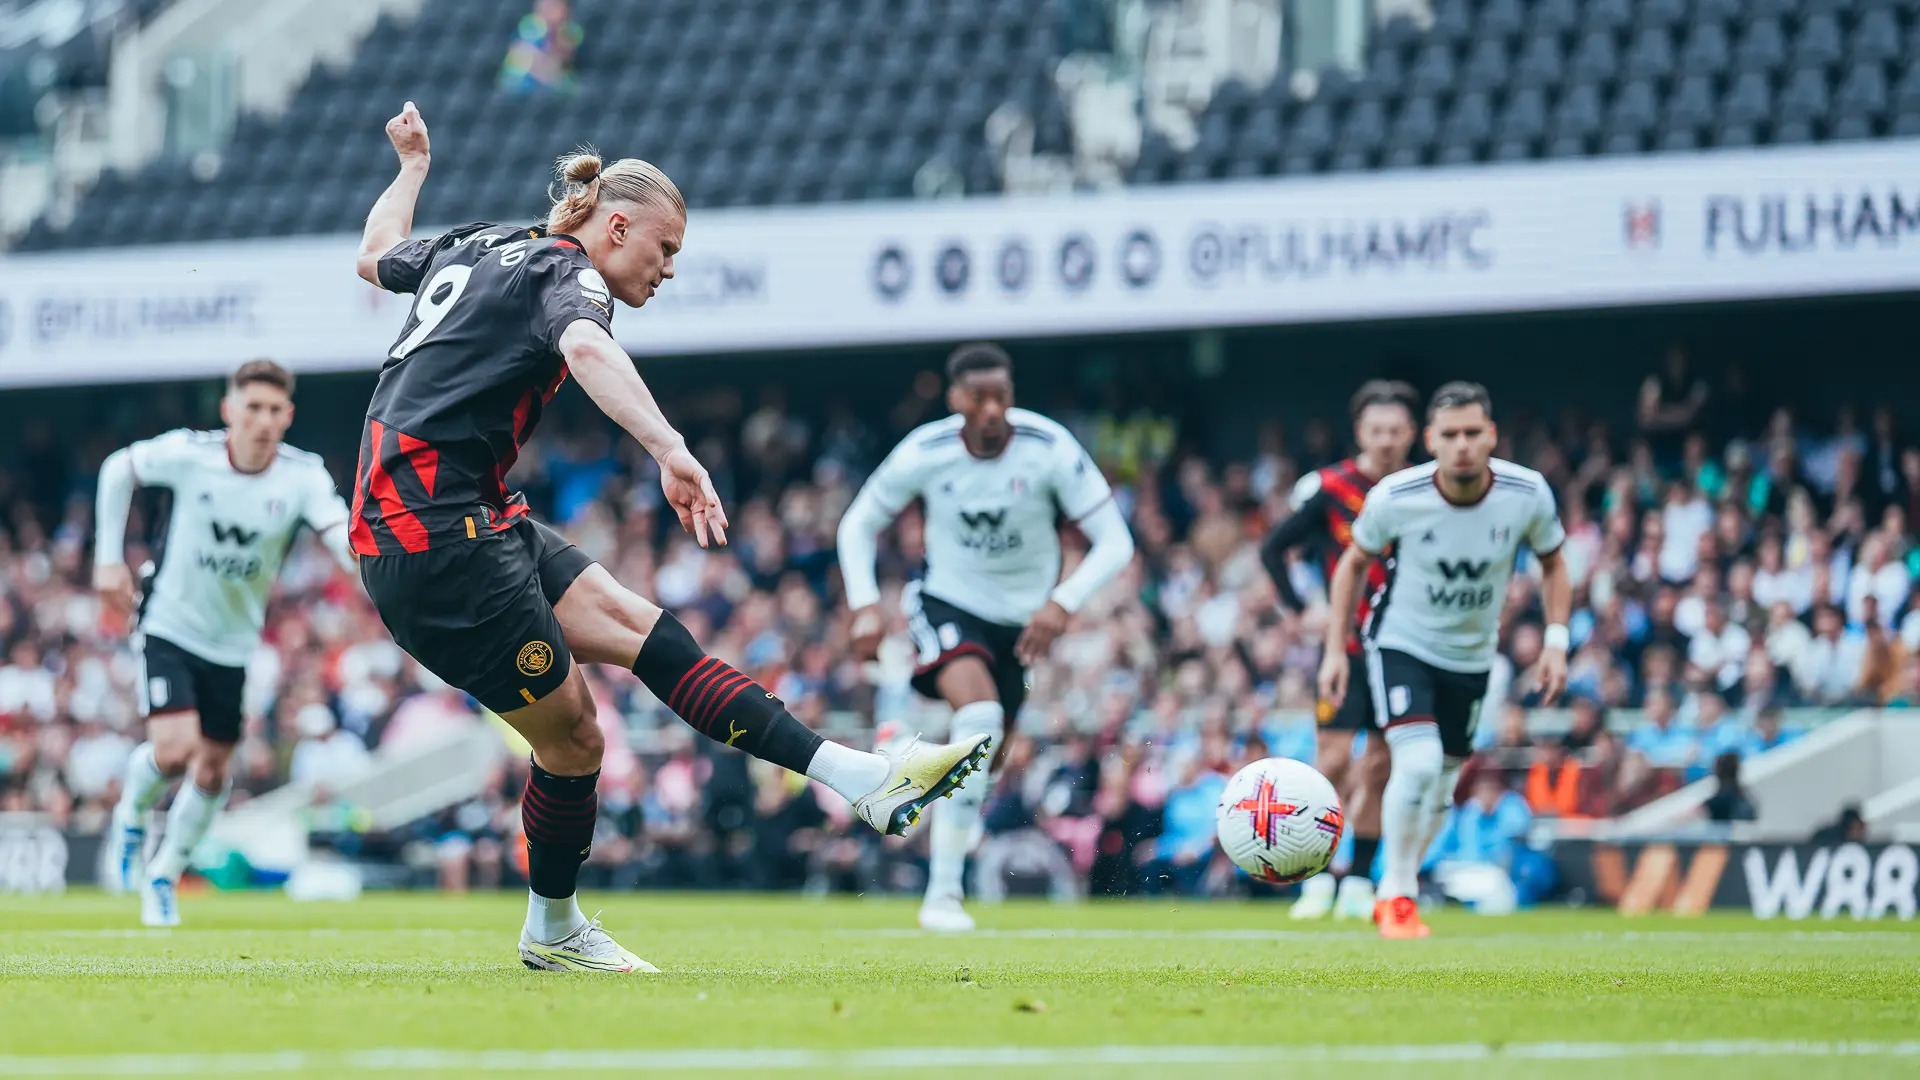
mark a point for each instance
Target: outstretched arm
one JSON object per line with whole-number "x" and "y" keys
{"x": 391, "y": 220}
{"x": 608, "y": 376}
{"x": 114, "y": 498}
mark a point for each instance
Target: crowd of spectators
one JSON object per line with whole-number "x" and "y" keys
{"x": 1724, "y": 581}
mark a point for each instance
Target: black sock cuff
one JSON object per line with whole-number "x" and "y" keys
{"x": 563, "y": 788}
{"x": 667, "y": 655}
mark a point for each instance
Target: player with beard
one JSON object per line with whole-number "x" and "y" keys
{"x": 1455, "y": 527}
{"x": 1324, "y": 504}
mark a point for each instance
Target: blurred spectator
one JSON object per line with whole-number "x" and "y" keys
{"x": 1186, "y": 843}
{"x": 1729, "y": 801}
{"x": 1849, "y": 828}
{"x": 541, "y": 56}
{"x": 1831, "y": 664}
{"x": 1661, "y": 740}
{"x": 1487, "y": 828}
{"x": 326, "y": 758}
{"x": 1554, "y": 781}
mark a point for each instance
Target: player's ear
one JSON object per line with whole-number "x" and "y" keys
{"x": 226, "y": 408}
{"x": 1427, "y": 439}
{"x": 956, "y": 397}
{"x": 618, "y": 225}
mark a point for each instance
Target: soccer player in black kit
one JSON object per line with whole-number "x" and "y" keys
{"x": 1324, "y": 505}
{"x": 500, "y": 605}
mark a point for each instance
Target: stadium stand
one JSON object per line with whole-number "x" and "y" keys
{"x": 835, "y": 100}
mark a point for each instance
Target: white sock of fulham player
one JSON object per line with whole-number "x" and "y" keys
{"x": 140, "y": 788}
{"x": 1404, "y": 810}
{"x": 956, "y": 821}
{"x": 1440, "y": 801}
{"x": 188, "y": 820}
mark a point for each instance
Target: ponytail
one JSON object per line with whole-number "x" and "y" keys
{"x": 584, "y": 179}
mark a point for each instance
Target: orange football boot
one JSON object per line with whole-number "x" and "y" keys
{"x": 1399, "y": 918}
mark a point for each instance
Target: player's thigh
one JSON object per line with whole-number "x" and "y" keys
{"x": 603, "y": 621}
{"x": 1457, "y": 710}
{"x": 475, "y": 614}
{"x": 1403, "y": 688}
{"x": 1332, "y": 754}
{"x": 964, "y": 680}
{"x": 1376, "y": 764}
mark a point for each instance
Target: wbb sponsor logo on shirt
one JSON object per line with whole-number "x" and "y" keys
{"x": 1463, "y": 597}
{"x": 231, "y": 566}
{"x": 986, "y": 531}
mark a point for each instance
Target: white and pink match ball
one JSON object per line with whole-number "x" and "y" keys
{"x": 1279, "y": 820}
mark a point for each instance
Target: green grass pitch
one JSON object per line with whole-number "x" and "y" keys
{"x": 429, "y": 985}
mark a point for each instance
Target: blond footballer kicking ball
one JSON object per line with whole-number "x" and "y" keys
{"x": 1279, "y": 820}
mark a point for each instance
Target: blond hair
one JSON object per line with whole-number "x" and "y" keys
{"x": 585, "y": 183}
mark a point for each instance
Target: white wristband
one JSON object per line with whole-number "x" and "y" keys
{"x": 1556, "y": 637}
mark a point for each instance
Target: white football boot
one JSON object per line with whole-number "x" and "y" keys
{"x": 1316, "y": 898}
{"x": 128, "y": 844}
{"x": 943, "y": 914}
{"x": 587, "y": 949}
{"x": 921, "y": 773}
{"x": 158, "y": 905}
{"x": 1355, "y": 898}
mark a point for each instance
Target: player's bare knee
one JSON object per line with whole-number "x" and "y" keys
{"x": 1376, "y": 765}
{"x": 173, "y": 753}
{"x": 586, "y": 742}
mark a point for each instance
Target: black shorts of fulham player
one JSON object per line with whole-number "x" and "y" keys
{"x": 1456, "y": 526}
{"x": 994, "y": 482}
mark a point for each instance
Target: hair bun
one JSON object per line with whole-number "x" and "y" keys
{"x": 581, "y": 168}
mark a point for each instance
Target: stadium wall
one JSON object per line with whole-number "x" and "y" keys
{"x": 1722, "y": 226}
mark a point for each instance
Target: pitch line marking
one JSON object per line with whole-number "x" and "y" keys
{"x": 521, "y": 1061}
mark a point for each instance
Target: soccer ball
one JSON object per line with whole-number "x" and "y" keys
{"x": 1279, "y": 820}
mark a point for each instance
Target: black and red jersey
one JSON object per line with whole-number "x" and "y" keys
{"x": 1324, "y": 503}
{"x": 465, "y": 383}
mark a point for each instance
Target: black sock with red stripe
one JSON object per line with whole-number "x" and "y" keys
{"x": 718, "y": 701}
{"x": 557, "y": 813}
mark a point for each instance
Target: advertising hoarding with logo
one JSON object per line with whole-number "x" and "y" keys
{"x": 1720, "y": 226}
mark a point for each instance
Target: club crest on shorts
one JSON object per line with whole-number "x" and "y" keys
{"x": 535, "y": 658}
{"x": 1398, "y": 698}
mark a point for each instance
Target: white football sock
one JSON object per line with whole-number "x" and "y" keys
{"x": 956, "y": 821}
{"x": 1405, "y": 807}
{"x": 549, "y": 921}
{"x": 1441, "y": 801}
{"x": 142, "y": 786}
{"x": 189, "y": 819}
{"x": 850, "y": 772}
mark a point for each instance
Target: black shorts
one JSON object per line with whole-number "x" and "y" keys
{"x": 1407, "y": 690}
{"x": 942, "y": 633}
{"x": 1355, "y": 711}
{"x": 479, "y": 613}
{"x": 177, "y": 681}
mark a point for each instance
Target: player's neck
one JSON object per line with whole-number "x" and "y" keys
{"x": 246, "y": 460}
{"x": 977, "y": 450}
{"x": 1464, "y": 492}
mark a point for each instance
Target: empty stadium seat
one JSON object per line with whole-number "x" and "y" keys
{"x": 1818, "y": 44}
{"x": 1762, "y": 48}
{"x": 1595, "y": 59}
{"x": 1650, "y": 56}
